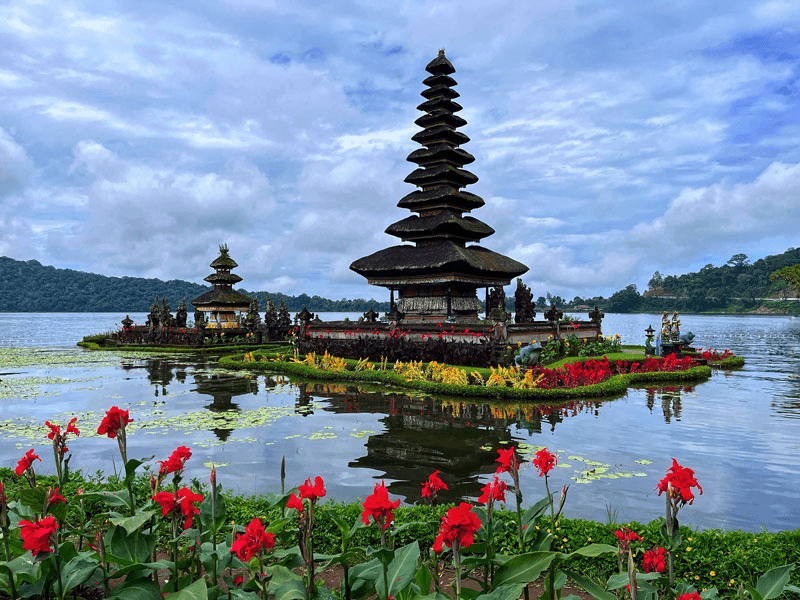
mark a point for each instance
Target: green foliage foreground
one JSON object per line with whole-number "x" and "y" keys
{"x": 64, "y": 534}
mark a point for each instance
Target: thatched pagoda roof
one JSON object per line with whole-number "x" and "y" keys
{"x": 439, "y": 230}
{"x": 223, "y": 296}
{"x": 442, "y": 260}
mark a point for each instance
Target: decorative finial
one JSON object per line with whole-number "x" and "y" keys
{"x": 223, "y": 248}
{"x": 441, "y": 52}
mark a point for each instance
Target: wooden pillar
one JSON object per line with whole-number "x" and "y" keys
{"x": 449, "y": 304}
{"x": 391, "y": 298}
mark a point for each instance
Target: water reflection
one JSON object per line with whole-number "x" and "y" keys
{"x": 669, "y": 398}
{"x": 422, "y": 434}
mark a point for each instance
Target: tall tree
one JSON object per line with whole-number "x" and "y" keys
{"x": 656, "y": 281}
{"x": 738, "y": 260}
{"x": 625, "y": 300}
{"x": 790, "y": 274}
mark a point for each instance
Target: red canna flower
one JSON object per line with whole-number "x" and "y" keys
{"x": 54, "y": 496}
{"x": 433, "y": 485}
{"x": 312, "y": 492}
{"x": 167, "y": 502}
{"x": 59, "y": 439}
{"x": 494, "y": 490}
{"x": 37, "y": 535}
{"x": 237, "y": 581}
{"x": 654, "y": 560}
{"x": 379, "y": 507}
{"x": 692, "y": 596}
{"x": 626, "y": 536}
{"x": 296, "y": 503}
{"x": 26, "y": 461}
{"x": 184, "y": 503}
{"x": 508, "y": 461}
{"x": 544, "y": 461}
{"x": 253, "y": 541}
{"x": 115, "y": 419}
{"x": 458, "y": 528}
{"x": 680, "y": 479}
{"x": 187, "y": 501}
{"x": 176, "y": 461}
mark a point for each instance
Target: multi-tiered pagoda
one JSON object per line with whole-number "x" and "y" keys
{"x": 222, "y": 305}
{"x": 438, "y": 276}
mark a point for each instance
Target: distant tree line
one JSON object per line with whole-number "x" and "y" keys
{"x": 29, "y": 286}
{"x": 738, "y": 284}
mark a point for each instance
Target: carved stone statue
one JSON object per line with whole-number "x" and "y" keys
{"x": 165, "y": 313}
{"x": 686, "y": 339}
{"x": 371, "y": 316}
{"x": 394, "y": 315}
{"x": 596, "y": 315}
{"x": 181, "y": 314}
{"x": 528, "y": 355}
{"x": 553, "y": 314}
{"x": 199, "y": 319}
{"x": 154, "y": 317}
{"x": 270, "y": 314}
{"x": 284, "y": 320}
{"x": 496, "y": 309}
{"x": 524, "y": 306}
{"x": 666, "y": 326}
{"x": 676, "y": 327}
{"x": 304, "y": 317}
{"x": 252, "y": 321}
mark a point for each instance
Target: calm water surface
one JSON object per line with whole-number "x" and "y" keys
{"x": 739, "y": 431}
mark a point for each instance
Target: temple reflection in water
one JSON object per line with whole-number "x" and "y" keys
{"x": 423, "y": 434}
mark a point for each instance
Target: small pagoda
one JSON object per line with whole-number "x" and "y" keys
{"x": 437, "y": 277}
{"x": 221, "y": 307}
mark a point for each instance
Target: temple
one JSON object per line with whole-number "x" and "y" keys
{"x": 222, "y": 306}
{"x": 437, "y": 277}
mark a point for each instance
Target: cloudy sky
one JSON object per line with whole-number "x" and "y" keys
{"x": 612, "y": 139}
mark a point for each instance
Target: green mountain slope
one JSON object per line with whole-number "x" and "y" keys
{"x": 29, "y": 286}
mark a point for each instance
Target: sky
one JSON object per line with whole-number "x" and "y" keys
{"x": 612, "y": 139}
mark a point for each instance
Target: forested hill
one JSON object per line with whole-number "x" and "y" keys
{"x": 738, "y": 285}
{"x": 29, "y": 286}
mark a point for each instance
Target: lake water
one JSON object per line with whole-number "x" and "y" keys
{"x": 739, "y": 431}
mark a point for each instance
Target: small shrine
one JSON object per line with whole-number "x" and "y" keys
{"x": 222, "y": 306}
{"x": 437, "y": 276}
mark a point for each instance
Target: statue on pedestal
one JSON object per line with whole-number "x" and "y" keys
{"x": 181, "y": 314}
{"x": 524, "y": 306}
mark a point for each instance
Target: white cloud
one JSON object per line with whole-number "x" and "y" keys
{"x": 609, "y": 137}
{"x": 15, "y": 165}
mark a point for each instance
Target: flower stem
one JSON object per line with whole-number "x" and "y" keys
{"x": 457, "y": 559}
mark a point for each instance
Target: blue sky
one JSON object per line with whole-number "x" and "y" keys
{"x": 612, "y": 139}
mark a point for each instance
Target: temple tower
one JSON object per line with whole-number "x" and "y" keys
{"x": 222, "y": 305}
{"x": 438, "y": 276}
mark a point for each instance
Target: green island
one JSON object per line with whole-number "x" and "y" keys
{"x": 455, "y": 380}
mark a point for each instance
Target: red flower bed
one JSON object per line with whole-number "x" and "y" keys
{"x": 593, "y": 371}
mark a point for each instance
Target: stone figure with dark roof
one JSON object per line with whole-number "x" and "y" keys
{"x": 437, "y": 275}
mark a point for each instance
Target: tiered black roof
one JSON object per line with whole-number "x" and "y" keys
{"x": 439, "y": 229}
{"x": 223, "y": 294}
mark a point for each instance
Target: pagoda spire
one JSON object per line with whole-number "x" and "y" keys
{"x": 438, "y": 276}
